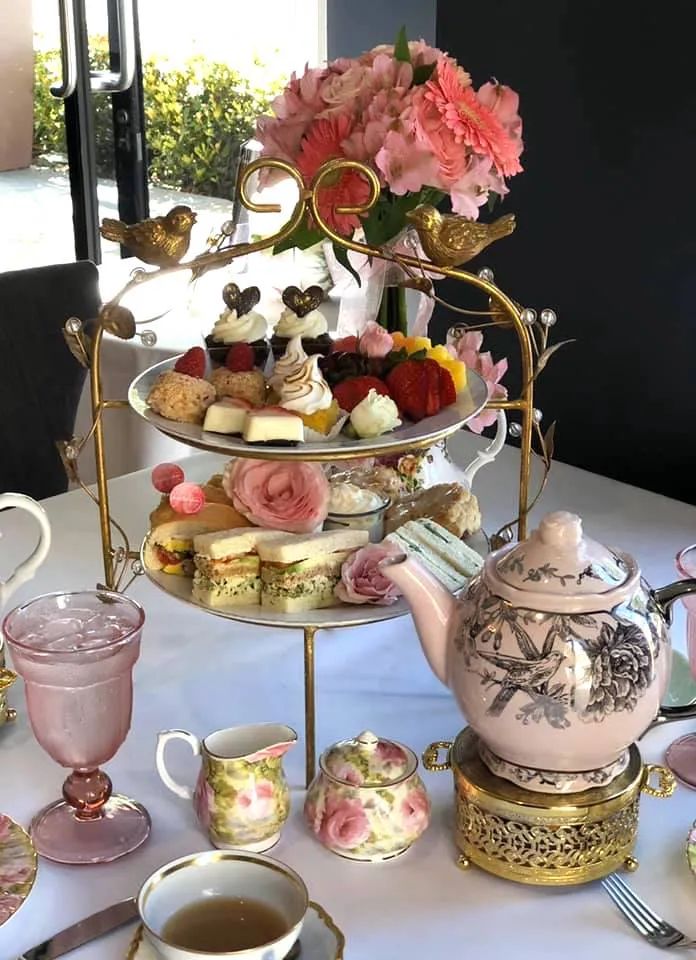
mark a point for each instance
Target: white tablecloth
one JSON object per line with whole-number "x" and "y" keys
{"x": 200, "y": 672}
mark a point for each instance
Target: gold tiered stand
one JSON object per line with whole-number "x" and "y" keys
{"x": 85, "y": 342}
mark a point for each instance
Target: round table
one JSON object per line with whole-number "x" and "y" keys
{"x": 201, "y": 673}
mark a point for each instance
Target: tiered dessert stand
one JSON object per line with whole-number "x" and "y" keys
{"x": 85, "y": 342}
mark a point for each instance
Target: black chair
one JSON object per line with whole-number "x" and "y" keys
{"x": 40, "y": 380}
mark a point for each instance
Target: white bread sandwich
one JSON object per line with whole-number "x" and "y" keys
{"x": 300, "y": 572}
{"x": 228, "y": 569}
{"x": 443, "y": 554}
{"x": 169, "y": 546}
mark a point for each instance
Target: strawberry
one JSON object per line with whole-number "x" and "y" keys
{"x": 345, "y": 345}
{"x": 240, "y": 358}
{"x": 192, "y": 362}
{"x": 417, "y": 389}
{"x": 448, "y": 390}
{"x": 350, "y": 392}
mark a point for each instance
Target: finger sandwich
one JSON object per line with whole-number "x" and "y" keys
{"x": 443, "y": 554}
{"x": 228, "y": 569}
{"x": 300, "y": 573}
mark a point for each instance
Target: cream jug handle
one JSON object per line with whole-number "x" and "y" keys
{"x": 26, "y": 570}
{"x": 489, "y": 453}
{"x": 163, "y": 739}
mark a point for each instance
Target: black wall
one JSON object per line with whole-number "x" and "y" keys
{"x": 606, "y": 217}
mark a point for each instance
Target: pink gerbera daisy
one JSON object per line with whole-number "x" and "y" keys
{"x": 449, "y": 90}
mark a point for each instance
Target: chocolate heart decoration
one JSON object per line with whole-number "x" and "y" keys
{"x": 302, "y": 301}
{"x": 240, "y": 300}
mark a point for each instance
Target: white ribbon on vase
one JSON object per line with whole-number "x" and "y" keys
{"x": 360, "y": 304}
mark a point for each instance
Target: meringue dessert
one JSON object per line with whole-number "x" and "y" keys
{"x": 287, "y": 365}
{"x": 306, "y": 393}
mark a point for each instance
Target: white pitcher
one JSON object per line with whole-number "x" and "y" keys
{"x": 23, "y": 572}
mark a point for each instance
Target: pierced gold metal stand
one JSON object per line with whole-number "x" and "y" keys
{"x": 544, "y": 838}
{"x": 85, "y": 344}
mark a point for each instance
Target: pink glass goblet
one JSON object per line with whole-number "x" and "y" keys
{"x": 76, "y": 652}
{"x": 681, "y": 755}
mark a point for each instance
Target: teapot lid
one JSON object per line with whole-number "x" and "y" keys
{"x": 560, "y": 570}
{"x": 368, "y": 761}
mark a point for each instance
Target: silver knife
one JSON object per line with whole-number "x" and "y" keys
{"x": 83, "y": 931}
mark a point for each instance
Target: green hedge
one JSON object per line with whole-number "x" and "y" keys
{"x": 195, "y": 116}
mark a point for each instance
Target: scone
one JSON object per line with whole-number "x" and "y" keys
{"x": 450, "y": 504}
{"x": 177, "y": 396}
{"x": 245, "y": 385}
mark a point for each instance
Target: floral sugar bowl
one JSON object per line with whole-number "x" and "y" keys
{"x": 367, "y": 802}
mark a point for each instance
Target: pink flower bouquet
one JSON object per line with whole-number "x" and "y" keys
{"x": 411, "y": 113}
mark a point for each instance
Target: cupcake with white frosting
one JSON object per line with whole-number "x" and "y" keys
{"x": 306, "y": 393}
{"x": 239, "y": 323}
{"x": 302, "y": 318}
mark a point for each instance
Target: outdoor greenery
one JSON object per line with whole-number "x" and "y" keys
{"x": 196, "y": 118}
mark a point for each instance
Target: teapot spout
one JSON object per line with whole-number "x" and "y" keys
{"x": 433, "y": 607}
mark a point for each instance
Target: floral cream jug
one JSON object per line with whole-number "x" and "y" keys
{"x": 23, "y": 571}
{"x": 558, "y": 653}
{"x": 241, "y": 796}
{"x": 367, "y": 802}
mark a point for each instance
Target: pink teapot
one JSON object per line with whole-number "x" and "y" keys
{"x": 558, "y": 653}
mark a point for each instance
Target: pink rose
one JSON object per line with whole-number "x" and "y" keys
{"x": 345, "y": 89}
{"x": 375, "y": 341}
{"x": 203, "y": 801}
{"x": 349, "y": 774}
{"x": 390, "y": 752}
{"x": 415, "y": 810}
{"x": 9, "y": 904}
{"x": 258, "y": 800}
{"x": 362, "y": 581}
{"x": 10, "y": 875}
{"x": 345, "y": 824}
{"x": 280, "y": 496}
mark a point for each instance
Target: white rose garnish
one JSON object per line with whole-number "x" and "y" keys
{"x": 375, "y": 415}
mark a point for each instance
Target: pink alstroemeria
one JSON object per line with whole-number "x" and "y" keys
{"x": 406, "y": 166}
{"x": 468, "y": 350}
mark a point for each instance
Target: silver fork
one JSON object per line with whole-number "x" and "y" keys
{"x": 655, "y": 930}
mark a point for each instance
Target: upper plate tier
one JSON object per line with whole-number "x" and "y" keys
{"x": 469, "y": 402}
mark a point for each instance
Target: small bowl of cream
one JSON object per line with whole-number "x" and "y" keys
{"x": 356, "y": 508}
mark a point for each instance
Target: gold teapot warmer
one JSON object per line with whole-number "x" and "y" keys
{"x": 544, "y": 838}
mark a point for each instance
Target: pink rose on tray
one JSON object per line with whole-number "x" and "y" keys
{"x": 280, "y": 496}
{"x": 415, "y": 810}
{"x": 375, "y": 341}
{"x": 362, "y": 581}
{"x": 257, "y": 801}
{"x": 345, "y": 824}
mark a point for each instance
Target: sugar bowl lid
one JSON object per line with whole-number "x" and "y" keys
{"x": 560, "y": 570}
{"x": 368, "y": 761}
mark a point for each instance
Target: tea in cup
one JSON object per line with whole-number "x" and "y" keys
{"x": 223, "y": 904}
{"x": 241, "y": 796}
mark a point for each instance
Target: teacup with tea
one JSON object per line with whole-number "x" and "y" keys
{"x": 223, "y": 905}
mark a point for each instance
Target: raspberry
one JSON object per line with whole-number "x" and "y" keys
{"x": 240, "y": 358}
{"x": 192, "y": 362}
{"x": 350, "y": 392}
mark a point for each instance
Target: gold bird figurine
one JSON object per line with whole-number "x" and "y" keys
{"x": 161, "y": 242}
{"x": 450, "y": 240}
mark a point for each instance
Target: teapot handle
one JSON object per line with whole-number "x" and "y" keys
{"x": 665, "y": 597}
{"x": 489, "y": 453}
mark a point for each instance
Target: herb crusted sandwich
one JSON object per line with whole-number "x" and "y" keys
{"x": 228, "y": 569}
